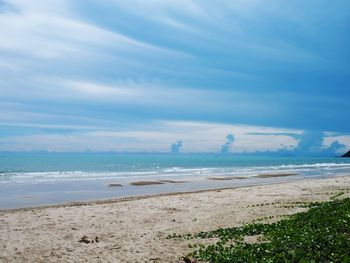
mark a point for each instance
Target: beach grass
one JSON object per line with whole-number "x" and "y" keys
{"x": 320, "y": 234}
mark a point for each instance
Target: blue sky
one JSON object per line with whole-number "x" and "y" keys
{"x": 142, "y": 75}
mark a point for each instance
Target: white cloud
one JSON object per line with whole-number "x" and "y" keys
{"x": 101, "y": 90}
{"x": 50, "y": 29}
{"x": 343, "y": 139}
{"x": 30, "y": 119}
{"x": 155, "y": 136}
{"x": 156, "y": 8}
{"x": 127, "y": 92}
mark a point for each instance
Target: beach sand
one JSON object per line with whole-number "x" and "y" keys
{"x": 135, "y": 229}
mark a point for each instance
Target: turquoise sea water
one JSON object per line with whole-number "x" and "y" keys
{"x": 30, "y": 179}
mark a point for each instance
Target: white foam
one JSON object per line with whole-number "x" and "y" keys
{"x": 302, "y": 169}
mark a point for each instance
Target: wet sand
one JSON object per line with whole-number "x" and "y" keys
{"x": 275, "y": 175}
{"x": 135, "y": 229}
{"x": 143, "y": 183}
{"x": 227, "y": 178}
{"x": 172, "y": 181}
{"x": 115, "y": 185}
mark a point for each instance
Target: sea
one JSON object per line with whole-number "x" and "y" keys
{"x": 36, "y": 179}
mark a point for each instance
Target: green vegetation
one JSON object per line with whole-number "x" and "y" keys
{"x": 321, "y": 234}
{"x": 337, "y": 195}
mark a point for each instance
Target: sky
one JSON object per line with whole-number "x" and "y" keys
{"x": 229, "y": 76}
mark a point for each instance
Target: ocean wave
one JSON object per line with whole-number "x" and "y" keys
{"x": 181, "y": 172}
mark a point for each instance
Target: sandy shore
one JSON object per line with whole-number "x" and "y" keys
{"x": 135, "y": 229}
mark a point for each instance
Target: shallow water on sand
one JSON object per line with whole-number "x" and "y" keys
{"x": 40, "y": 179}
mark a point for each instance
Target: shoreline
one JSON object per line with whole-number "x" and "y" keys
{"x": 148, "y": 196}
{"x": 135, "y": 229}
{"x": 31, "y": 190}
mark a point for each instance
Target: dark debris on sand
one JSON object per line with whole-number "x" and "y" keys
{"x": 86, "y": 240}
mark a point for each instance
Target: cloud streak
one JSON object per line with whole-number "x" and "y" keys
{"x": 155, "y": 136}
